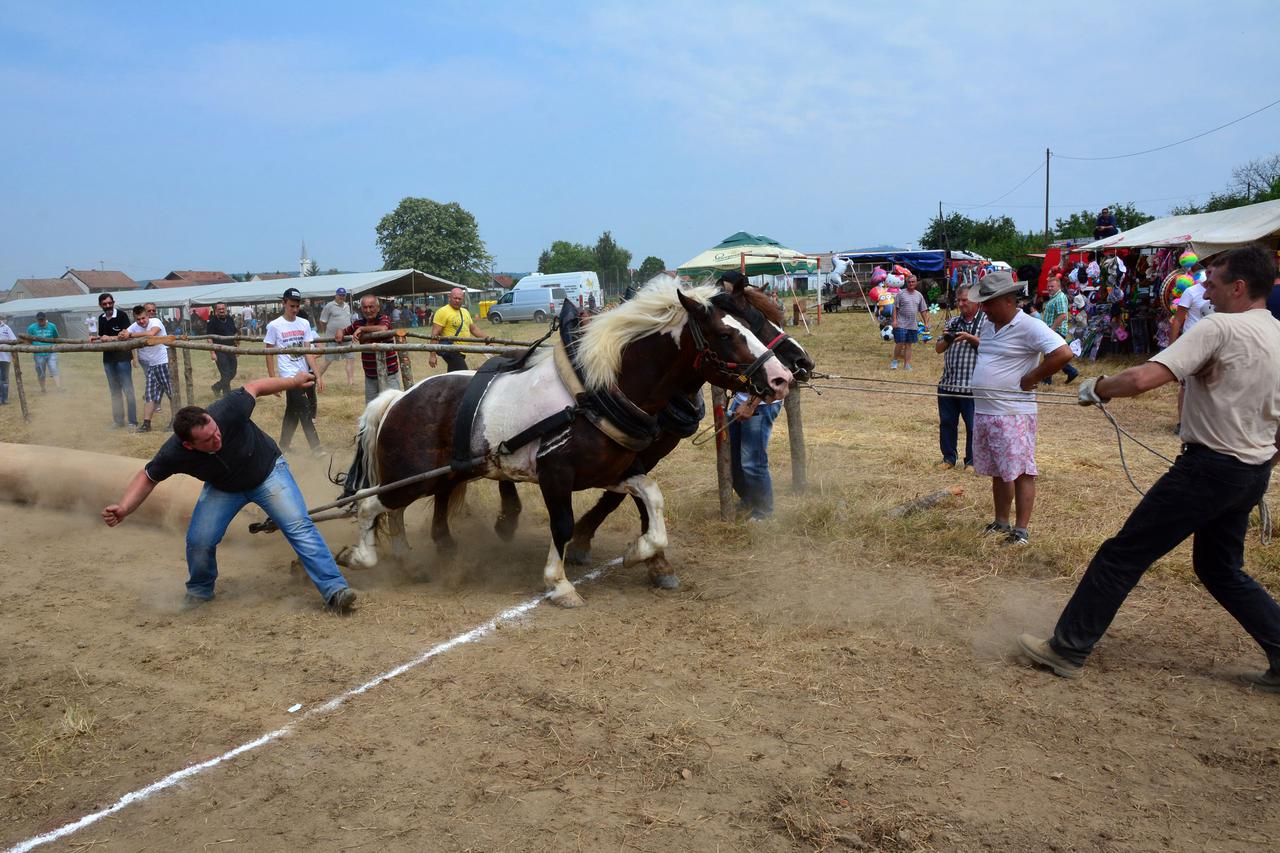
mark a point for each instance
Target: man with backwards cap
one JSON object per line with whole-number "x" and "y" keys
{"x": 239, "y": 464}
{"x": 1009, "y": 368}
{"x": 289, "y": 331}
{"x": 334, "y": 317}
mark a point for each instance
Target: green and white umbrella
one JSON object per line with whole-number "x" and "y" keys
{"x": 763, "y": 256}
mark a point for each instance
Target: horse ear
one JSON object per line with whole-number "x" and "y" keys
{"x": 693, "y": 307}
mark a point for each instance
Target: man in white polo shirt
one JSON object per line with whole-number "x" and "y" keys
{"x": 1230, "y": 363}
{"x": 1004, "y": 421}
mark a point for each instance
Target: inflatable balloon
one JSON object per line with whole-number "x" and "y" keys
{"x": 1188, "y": 259}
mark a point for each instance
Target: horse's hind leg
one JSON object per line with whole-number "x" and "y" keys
{"x": 395, "y": 529}
{"x": 559, "y": 500}
{"x": 364, "y": 554}
{"x": 509, "y": 515}
{"x": 579, "y": 550}
{"x": 447, "y": 500}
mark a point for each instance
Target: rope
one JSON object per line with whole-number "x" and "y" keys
{"x": 820, "y": 388}
{"x": 1074, "y": 399}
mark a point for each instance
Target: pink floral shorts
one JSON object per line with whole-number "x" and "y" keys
{"x": 1004, "y": 446}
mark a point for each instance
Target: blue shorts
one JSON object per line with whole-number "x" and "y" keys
{"x": 906, "y": 336}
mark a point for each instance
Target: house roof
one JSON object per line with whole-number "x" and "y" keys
{"x": 272, "y": 276}
{"x": 40, "y": 287}
{"x": 199, "y": 277}
{"x": 504, "y": 281}
{"x": 166, "y": 283}
{"x": 103, "y": 280}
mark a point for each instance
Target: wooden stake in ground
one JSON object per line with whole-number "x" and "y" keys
{"x": 795, "y": 436}
{"x": 724, "y": 466}
{"x": 173, "y": 384}
{"x": 187, "y": 377}
{"x": 22, "y": 394}
{"x": 381, "y": 359}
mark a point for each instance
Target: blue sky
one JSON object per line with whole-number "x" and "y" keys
{"x": 150, "y": 136}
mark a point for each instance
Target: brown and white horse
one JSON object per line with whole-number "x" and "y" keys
{"x": 665, "y": 342}
{"x": 763, "y": 316}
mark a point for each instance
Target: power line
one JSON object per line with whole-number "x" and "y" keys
{"x": 1172, "y": 144}
{"x": 1084, "y": 205}
{"x": 1038, "y": 167}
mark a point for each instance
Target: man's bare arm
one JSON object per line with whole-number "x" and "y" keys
{"x": 134, "y": 494}
{"x": 1134, "y": 381}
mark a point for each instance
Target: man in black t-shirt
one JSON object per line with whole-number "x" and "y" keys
{"x": 220, "y": 323}
{"x": 117, "y": 364}
{"x": 239, "y": 464}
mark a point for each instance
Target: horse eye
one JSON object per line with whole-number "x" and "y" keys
{"x": 726, "y": 336}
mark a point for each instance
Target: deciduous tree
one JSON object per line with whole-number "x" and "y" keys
{"x": 649, "y": 267}
{"x": 442, "y": 239}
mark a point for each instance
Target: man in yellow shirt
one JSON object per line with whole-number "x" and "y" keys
{"x": 450, "y": 321}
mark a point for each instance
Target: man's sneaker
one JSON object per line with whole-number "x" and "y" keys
{"x": 893, "y": 365}
{"x": 144, "y": 427}
{"x": 997, "y": 527}
{"x": 944, "y": 465}
{"x": 1042, "y": 653}
{"x": 1267, "y": 681}
{"x": 1072, "y": 378}
{"x": 1017, "y": 536}
{"x": 342, "y": 600}
{"x": 908, "y": 367}
{"x": 191, "y": 602}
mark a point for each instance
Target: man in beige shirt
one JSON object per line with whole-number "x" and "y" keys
{"x": 1230, "y": 363}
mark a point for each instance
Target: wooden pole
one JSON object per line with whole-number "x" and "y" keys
{"x": 176, "y": 402}
{"x": 22, "y": 394}
{"x": 724, "y": 466}
{"x": 795, "y": 436}
{"x": 381, "y": 359}
{"x": 406, "y": 367}
{"x": 188, "y": 377}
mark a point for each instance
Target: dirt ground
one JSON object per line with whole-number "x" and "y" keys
{"x": 832, "y": 680}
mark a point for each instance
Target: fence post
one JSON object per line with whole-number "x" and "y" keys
{"x": 187, "y": 376}
{"x": 173, "y": 383}
{"x": 406, "y": 368}
{"x": 381, "y": 358}
{"x": 795, "y": 437}
{"x": 724, "y": 469}
{"x": 22, "y": 394}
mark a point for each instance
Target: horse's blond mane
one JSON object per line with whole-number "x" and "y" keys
{"x": 654, "y": 309}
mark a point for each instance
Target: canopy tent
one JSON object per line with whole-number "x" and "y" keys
{"x": 1207, "y": 233}
{"x": 385, "y": 283}
{"x": 926, "y": 261}
{"x": 761, "y": 255}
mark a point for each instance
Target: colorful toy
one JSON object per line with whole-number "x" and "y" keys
{"x": 935, "y": 308}
{"x": 1201, "y": 277}
{"x": 923, "y": 331}
{"x": 1188, "y": 259}
{"x": 1181, "y": 283}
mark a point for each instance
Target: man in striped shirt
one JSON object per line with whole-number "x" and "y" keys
{"x": 959, "y": 346}
{"x": 1055, "y": 316}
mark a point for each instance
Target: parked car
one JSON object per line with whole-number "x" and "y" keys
{"x": 528, "y": 303}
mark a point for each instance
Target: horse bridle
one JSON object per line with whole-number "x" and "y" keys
{"x": 728, "y": 370}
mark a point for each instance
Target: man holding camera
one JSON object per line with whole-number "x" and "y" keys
{"x": 959, "y": 348}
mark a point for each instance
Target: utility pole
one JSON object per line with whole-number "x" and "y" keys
{"x": 1046, "y": 198}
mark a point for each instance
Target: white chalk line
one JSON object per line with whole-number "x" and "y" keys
{"x": 332, "y": 705}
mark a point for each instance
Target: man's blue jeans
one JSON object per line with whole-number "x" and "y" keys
{"x": 280, "y": 498}
{"x": 4, "y": 381}
{"x": 120, "y": 387}
{"x": 749, "y": 453}
{"x": 1207, "y": 495}
{"x": 950, "y": 411}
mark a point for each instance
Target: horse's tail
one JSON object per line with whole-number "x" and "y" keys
{"x": 364, "y": 469}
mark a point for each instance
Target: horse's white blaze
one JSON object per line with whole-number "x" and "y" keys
{"x": 773, "y": 368}
{"x": 654, "y": 541}
{"x": 513, "y": 403}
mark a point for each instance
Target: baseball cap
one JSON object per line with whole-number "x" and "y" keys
{"x": 40, "y": 315}
{"x": 292, "y": 293}
{"x": 341, "y": 291}
{"x": 733, "y": 278}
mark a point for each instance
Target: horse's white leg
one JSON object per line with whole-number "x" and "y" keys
{"x": 364, "y": 555}
{"x": 395, "y": 527}
{"x": 654, "y": 540}
{"x": 562, "y": 592}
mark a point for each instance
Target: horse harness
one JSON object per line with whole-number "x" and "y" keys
{"x": 609, "y": 410}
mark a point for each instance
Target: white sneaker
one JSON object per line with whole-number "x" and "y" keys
{"x": 893, "y": 365}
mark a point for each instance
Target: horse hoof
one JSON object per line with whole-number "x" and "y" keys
{"x": 666, "y": 580}
{"x": 577, "y": 553}
{"x": 505, "y": 527}
{"x": 569, "y": 598}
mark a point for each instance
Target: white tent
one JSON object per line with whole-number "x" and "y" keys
{"x": 384, "y": 283}
{"x": 1207, "y": 233}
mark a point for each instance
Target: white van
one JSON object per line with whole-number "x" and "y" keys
{"x": 531, "y": 303}
{"x": 580, "y": 287}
